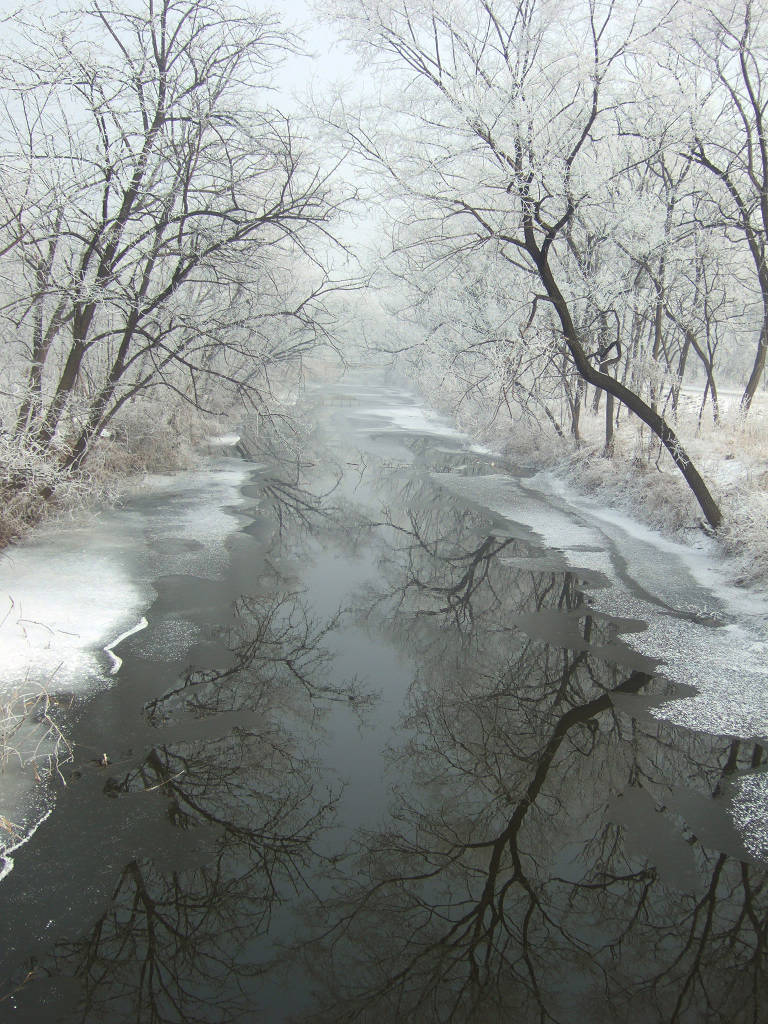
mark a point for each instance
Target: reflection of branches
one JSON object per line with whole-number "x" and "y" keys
{"x": 500, "y": 889}
{"x": 289, "y": 501}
{"x": 274, "y": 643}
{"x": 282, "y": 489}
{"x": 482, "y": 936}
{"x": 474, "y": 572}
{"x": 164, "y": 951}
{"x": 186, "y": 945}
{"x": 175, "y": 947}
{"x": 182, "y": 945}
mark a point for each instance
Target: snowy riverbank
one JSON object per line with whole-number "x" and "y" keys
{"x": 74, "y": 592}
{"x": 708, "y": 635}
{"x": 731, "y": 456}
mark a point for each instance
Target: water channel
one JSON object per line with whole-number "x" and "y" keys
{"x": 394, "y": 733}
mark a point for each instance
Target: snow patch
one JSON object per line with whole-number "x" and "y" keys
{"x": 680, "y": 592}
{"x": 109, "y": 649}
{"x": 223, "y": 441}
{"x": 700, "y": 560}
{"x": 749, "y": 811}
{"x": 504, "y": 495}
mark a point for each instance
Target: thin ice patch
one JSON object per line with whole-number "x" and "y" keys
{"x": 416, "y": 420}
{"x": 61, "y": 606}
{"x": 502, "y": 494}
{"x": 6, "y": 860}
{"x": 725, "y": 663}
{"x": 223, "y": 441}
{"x": 110, "y": 648}
{"x": 708, "y": 572}
{"x": 750, "y": 812}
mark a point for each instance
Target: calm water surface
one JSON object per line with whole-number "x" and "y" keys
{"x": 395, "y": 762}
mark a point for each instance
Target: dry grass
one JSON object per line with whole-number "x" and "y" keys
{"x": 30, "y": 732}
{"x": 33, "y": 486}
{"x": 151, "y": 437}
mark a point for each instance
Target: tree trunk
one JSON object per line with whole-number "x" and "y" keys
{"x": 758, "y": 368}
{"x": 67, "y": 381}
{"x": 611, "y": 386}
{"x": 680, "y": 373}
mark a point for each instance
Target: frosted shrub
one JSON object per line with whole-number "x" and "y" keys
{"x": 32, "y": 485}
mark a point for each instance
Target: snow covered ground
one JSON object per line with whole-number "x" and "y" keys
{"x": 70, "y": 592}
{"x": 707, "y": 632}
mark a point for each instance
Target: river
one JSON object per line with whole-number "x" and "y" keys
{"x": 383, "y": 729}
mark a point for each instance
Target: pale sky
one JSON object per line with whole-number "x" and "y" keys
{"x": 329, "y": 61}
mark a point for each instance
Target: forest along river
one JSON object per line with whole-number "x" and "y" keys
{"x": 394, "y": 734}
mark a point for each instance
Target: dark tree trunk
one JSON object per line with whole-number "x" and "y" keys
{"x": 611, "y": 386}
{"x": 758, "y": 367}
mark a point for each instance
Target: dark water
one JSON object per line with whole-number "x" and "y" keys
{"x": 406, "y": 772}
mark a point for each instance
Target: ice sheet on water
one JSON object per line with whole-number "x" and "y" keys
{"x": 414, "y": 419}
{"x": 223, "y": 440}
{"x": 504, "y": 495}
{"x": 708, "y": 633}
{"x": 725, "y": 663}
{"x": 681, "y": 593}
{"x": 750, "y": 812}
{"x": 184, "y": 520}
{"x": 699, "y": 559}
{"x": 72, "y": 593}
{"x": 64, "y": 603}
{"x": 170, "y": 639}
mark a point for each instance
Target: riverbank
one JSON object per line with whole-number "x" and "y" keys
{"x": 72, "y": 594}
{"x": 34, "y": 490}
{"x": 640, "y": 482}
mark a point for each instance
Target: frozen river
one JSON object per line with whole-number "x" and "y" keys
{"x": 393, "y": 732}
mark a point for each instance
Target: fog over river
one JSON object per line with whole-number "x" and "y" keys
{"x": 393, "y": 732}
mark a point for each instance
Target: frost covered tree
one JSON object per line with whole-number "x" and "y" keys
{"x": 506, "y": 115}
{"x": 718, "y": 57}
{"x": 161, "y": 224}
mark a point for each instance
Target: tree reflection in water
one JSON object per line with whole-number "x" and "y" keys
{"x": 183, "y": 942}
{"x": 510, "y": 883}
{"x": 552, "y": 852}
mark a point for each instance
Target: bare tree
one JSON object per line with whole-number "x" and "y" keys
{"x": 507, "y": 149}
{"x": 165, "y": 227}
{"x": 730, "y": 136}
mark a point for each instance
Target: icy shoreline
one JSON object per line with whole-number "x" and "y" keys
{"x": 75, "y": 592}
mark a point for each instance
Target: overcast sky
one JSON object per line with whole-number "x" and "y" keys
{"x": 328, "y": 60}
